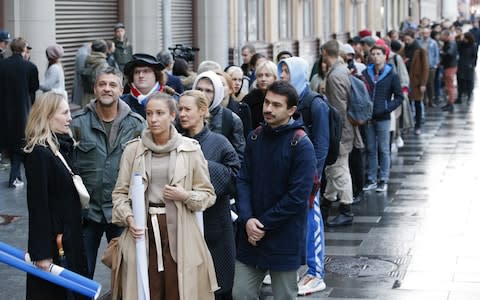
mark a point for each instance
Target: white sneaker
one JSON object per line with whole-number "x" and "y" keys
{"x": 267, "y": 280}
{"x": 17, "y": 183}
{"x": 310, "y": 284}
{"x": 399, "y": 142}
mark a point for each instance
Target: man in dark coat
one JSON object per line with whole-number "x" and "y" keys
{"x": 273, "y": 189}
{"x": 18, "y": 83}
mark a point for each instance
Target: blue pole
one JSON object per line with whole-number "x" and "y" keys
{"x": 58, "y": 275}
{"x": 84, "y": 281}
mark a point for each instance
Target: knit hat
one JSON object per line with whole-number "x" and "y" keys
{"x": 368, "y": 40}
{"x": 118, "y": 25}
{"x": 381, "y": 42}
{"x": 54, "y": 52}
{"x": 4, "y": 36}
{"x": 364, "y": 33}
{"x": 348, "y": 49}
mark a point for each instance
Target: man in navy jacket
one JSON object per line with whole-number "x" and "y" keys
{"x": 384, "y": 88}
{"x": 273, "y": 188}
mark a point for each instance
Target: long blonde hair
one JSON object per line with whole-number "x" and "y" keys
{"x": 38, "y": 131}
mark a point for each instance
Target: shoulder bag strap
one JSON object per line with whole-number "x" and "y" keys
{"x": 59, "y": 155}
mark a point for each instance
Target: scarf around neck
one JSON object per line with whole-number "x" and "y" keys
{"x": 171, "y": 145}
{"x": 141, "y": 98}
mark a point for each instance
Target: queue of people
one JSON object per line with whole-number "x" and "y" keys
{"x": 230, "y": 160}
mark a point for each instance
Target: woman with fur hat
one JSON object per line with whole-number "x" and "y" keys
{"x": 54, "y": 76}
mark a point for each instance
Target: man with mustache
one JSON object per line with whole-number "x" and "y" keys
{"x": 102, "y": 129}
{"x": 273, "y": 187}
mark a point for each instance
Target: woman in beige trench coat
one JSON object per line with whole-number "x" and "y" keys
{"x": 181, "y": 186}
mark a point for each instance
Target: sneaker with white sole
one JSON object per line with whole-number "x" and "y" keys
{"x": 17, "y": 183}
{"x": 371, "y": 185}
{"x": 267, "y": 280}
{"x": 382, "y": 187}
{"x": 310, "y": 284}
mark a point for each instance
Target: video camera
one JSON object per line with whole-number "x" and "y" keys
{"x": 180, "y": 51}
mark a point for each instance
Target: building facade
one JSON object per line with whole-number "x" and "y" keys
{"x": 219, "y": 28}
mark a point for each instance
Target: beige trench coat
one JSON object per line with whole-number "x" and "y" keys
{"x": 196, "y": 273}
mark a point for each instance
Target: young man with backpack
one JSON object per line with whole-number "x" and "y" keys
{"x": 386, "y": 94}
{"x": 273, "y": 186}
{"x": 315, "y": 114}
{"x": 339, "y": 181}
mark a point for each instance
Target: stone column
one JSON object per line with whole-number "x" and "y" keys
{"x": 212, "y": 22}
{"x": 142, "y": 26}
{"x": 35, "y": 21}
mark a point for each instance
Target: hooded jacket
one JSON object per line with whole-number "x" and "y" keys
{"x": 385, "y": 91}
{"x": 319, "y": 129}
{"x": 215, "y": 124}
{"x": 97, "y": 158}
{"x": 273, "y": 186}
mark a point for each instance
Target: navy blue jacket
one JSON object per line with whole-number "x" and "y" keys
{"x": 385, "y": 92}
{"x": 273, "y": 186}
{"x": 320, "y": 133}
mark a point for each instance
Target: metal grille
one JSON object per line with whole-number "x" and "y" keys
{"x": 182, "y": 23}
{"x": 78, "y": 22}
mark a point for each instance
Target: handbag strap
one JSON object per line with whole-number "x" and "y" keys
{"x": 59, "y": 155}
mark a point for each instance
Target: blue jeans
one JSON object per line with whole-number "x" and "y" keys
{"x": 378, "y": 150}
{"x": 92, "y": 235}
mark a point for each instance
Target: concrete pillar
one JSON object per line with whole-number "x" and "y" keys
{"x": 142, "y": 26}
{"x": 35, "y": 21}
{"x": 450, "y": 10}
{"x": 212, "y": 22}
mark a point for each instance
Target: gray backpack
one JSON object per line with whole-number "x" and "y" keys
{"x": 359, "y": 105}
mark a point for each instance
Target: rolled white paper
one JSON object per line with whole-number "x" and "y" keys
{"x": 139, "y": 213}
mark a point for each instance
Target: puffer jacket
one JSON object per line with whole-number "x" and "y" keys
{"x": 385, "y": 92}
{"x": 97, "y": 159}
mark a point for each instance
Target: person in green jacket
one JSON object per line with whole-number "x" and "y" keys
{"x": 123, "y": 49}
{"x": 102, "y": 130}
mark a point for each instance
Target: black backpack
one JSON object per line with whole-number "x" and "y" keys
{"x": 335, "y": 124}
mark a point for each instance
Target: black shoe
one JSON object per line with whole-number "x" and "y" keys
{"x": 325, "y": 205}
{"x": 357, "y": 199}
{"x": 448, "y": 107}
{"x": 342, "y": 219}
